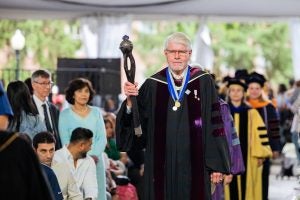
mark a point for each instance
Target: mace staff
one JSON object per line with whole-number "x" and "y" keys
{"x": 126, "y": 47}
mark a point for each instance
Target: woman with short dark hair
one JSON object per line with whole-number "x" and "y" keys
{"x": 79, "y": 94}
{"x": 78, "y": 84}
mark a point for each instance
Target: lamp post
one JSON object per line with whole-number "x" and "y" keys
{"x": 17, "y": 42}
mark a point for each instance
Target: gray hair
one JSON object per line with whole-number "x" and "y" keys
{"x": 40, "y": 73}
{"x": 179, "y": 38}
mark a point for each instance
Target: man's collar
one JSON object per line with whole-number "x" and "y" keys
{"x": 45, "y": 165}
{"x": 178, "y": 76}
{"x": 38, "y": 101}
{"x": 67, "y": 152}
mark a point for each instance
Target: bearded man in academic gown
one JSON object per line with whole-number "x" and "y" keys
{"x": 182, "y": 131}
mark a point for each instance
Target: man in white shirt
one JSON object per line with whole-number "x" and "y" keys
{"x": 81, "y": 165}
{"x": 41, "y": 84}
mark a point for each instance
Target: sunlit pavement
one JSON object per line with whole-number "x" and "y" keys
{"x": 283, "y": 189}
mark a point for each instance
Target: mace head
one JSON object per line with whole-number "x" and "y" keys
{"x": 126, "y": 45}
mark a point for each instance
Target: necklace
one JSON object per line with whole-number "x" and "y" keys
{"x": 80, "y": 111}
{"x": 177, "y": 96}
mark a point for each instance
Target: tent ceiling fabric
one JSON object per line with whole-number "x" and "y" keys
{"x": 45, "y": 9}
{"x": 120, "y": 3}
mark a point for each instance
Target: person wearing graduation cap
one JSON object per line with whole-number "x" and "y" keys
{"x": 241, "y": 74}
{"x": 258, "y": 100}
{"x": 183, "y": 134}
{"x": 254, "y": 145}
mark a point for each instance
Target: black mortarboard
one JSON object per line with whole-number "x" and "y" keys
{"x": 226, "y": 79}
{"x": 241, "y": 74}
{"x": 255, "y": 77}
{"x": 235, "y": 81}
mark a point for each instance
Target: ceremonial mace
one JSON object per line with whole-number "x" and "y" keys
{"x": 126, "y": 47}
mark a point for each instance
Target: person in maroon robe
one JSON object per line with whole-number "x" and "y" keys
{"x": 182, "y": 130}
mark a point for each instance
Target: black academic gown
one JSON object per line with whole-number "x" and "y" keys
{"x": 182, "y": 147}
{"x": 21, "y": 177}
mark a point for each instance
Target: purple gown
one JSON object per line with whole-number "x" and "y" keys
{"x": 237, "y": 163}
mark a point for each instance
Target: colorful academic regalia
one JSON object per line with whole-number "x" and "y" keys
{"x": 270, "y": 117}
{"x": 255, "y": 145}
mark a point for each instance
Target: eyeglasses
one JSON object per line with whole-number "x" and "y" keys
{"x": 44, "y": 83}
{"x": 180, "y": 53}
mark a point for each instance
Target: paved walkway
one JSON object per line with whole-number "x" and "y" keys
{"x": 283, "y": 189}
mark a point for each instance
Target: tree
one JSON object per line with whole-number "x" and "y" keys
{"x": 237, "y": 45}
{"x": 46, "y": 40}
{"x": 276, "y": 49}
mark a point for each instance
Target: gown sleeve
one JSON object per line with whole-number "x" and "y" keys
{"x": 236, "y": 157}
{"x": 217, "y": 156}
{"x": 125, "y": 137}
{"x": 260, "y": 146}
{"x": 273, "y": 127}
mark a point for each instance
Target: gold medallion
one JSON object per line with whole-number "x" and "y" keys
{"x": 177, "y": 104}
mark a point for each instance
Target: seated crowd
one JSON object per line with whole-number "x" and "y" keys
{"x": 75, "y": 149}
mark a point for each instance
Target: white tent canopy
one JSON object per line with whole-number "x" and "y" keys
{"x": 24, "y": 9}
{"x": 97, "y": 16}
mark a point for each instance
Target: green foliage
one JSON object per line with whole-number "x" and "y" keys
{"x": 46, "y": 39}
{"x": 236, "y": 45}
{"x": 231, "y": 46}
{"x": 275, "y": 43}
